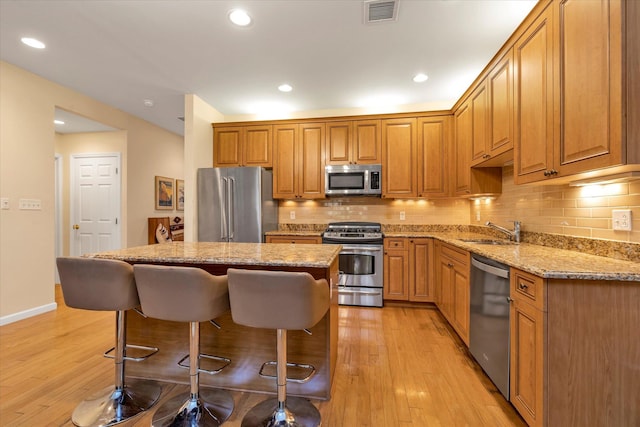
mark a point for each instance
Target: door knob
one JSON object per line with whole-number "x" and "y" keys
{"x": 76, "y": 227}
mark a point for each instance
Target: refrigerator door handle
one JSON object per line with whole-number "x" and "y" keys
{"x": 232, "y": 211}
{"x": 223, "y": 211}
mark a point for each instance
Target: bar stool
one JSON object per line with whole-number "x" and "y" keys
{"x": 187, "y": 294}
{"x": 278, "y": 300}
{"x": 107, "y": 285}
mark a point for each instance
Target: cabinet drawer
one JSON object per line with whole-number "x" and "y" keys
{"x": 455, "y": 254}
{"x": 291, "y": 239}
{"x": 396, "y": 243}
{"x": 527, "y": 288}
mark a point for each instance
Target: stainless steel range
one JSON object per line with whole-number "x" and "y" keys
{"x": 360, "y": 262}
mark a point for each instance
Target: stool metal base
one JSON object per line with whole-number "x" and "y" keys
{"x": 110, "y": 406}
{"x": 211, "y": 408}
{"x": 298, "y": 412}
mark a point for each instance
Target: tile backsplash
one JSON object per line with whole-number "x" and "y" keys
{"x": 557, "y": 209}
{"x": 561, "y": 209}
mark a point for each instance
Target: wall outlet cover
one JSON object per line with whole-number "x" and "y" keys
{"x": 621, "y": 219}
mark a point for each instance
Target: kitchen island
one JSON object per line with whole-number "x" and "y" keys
{"x": 248, "y": 348}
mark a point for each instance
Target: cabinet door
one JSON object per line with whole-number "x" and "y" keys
{"x": 339, "y": 142}
{"x": 479, "y": 123}
{"x": 527, "y": 370}
{"x": 399, "y": 158}
{"x": 533, "y": 62}
{"x": 421, "y": 270}
{"x": 311, "y": 161}
{"x": 396, "y": 275}
{"x": 460, "y": 283}
{"x": 285, "y": 153}
{"x": 590, "y": 85}
{"x": 257, "y": 146}
{"x": 500, "y": 86}
{"x": 462, "y": 150}
{"x": 433, "y": 166}
{"x": 227, "y": 146}
{"x": 367, "y": 142}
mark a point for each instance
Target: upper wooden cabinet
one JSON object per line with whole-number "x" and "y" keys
{"x": 492, "y": 111}
{"x": 242, "y": 146}
{"x": 353, "y": 142}
{"x": 576, "y": 105}
{"x": 399, "y": 158}
{"x": 433, "y": 160}
{"x": 298, "y": 164}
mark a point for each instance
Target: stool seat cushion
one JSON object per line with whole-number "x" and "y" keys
{"x": 277, "y": 299}
{"x": 97, "y": 284}
{"x": 181, "y": 294}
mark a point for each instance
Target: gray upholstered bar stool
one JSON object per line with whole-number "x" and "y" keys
{"x": 278, "y": 300}
{"x": 107, "y": 285}
{"x": 187, "y": 294}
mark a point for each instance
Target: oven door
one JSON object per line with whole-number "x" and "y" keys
{"x": 361, "y": 278}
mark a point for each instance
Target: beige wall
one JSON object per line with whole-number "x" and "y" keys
{"x": 561, "y": 209}
{"x": 27, "y": 144}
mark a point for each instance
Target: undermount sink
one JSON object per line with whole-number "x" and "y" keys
{"x": 489, "y": 241}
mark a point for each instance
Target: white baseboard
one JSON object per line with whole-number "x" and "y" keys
{"x": 5, "y": 320}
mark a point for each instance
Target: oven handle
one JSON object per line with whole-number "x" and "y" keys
{"x": 361, "y": 248}
{"x": 345, "y": 291}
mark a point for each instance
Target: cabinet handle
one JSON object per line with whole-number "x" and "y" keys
{"x": 449, "y": 265}
{"x": 554, "y": 172}
{"x": 523, "y": 286}
{"x": 509, "y": 300}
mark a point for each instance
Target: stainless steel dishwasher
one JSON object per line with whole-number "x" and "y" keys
{"x": 489, "y": 319}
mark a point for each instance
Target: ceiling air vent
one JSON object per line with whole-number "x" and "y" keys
{"x": 380, "y": 10}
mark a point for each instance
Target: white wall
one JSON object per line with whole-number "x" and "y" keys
{"x": 27, "y": 141}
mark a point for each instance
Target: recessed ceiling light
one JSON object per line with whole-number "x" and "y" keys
{"x": 420, "y": 77}
{"x": 148, "y": 103}
{"x": 285, "y": 88}
{"x": 240, "y": 17}
{"x": 58, "y": 122}
{"x": 33, "y": 42}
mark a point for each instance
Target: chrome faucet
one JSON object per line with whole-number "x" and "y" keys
{"x": 513, "y": 235}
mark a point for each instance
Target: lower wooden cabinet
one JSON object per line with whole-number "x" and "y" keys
{"x": 452, "y": 287}
{"x": 293, "y": 239}
{"x": 408, "y": 269}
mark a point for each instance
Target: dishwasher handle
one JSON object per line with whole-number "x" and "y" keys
{"x": 496, "y": 271}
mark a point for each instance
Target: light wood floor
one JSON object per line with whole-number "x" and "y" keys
{"x": 397, "y": 366}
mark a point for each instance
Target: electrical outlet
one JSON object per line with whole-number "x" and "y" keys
{"x": 621, "y": 219}
{"x": 4, "y": 202}
{"x": 292, "y": 215}
{"x": 30, "y": 204}
{"x": 402, "y": 216}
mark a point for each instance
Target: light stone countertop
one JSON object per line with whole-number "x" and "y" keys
{"x": 543, "y": 261}
{"x": 267, "y": 254}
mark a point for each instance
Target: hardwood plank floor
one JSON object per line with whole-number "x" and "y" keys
{"x": 397, "y": 366}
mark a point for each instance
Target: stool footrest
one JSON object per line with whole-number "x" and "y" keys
{"x": 310, "y": 368}
{"x": 224, "y": 360}
{"x": 150, "y": 352}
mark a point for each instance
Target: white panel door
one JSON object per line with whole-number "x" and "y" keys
{"x": 95, "y": 203}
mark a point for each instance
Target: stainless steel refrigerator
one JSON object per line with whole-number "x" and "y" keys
{"x": 235, "y": 204}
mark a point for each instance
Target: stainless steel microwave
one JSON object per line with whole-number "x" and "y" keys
{"x": 353, "y": 180}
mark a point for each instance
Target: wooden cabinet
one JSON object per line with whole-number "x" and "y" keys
{"x": 471, "y": 181}
{"x": 527, "y": 326}
{"x": 433, "y": 160}
{"x": 353, "y": 142}
{"x": 396, "y": 269}
{"x": 399, "y": 158}
{"x": 452, "y": 283}
{"x": 294, "y": 239}
{"x": 492, "y": 116}
{"x": 421, "y": 270}
{"x": 298, "y": 161}
{"x": 242, "y": 146}
{"x": 575, "y": 102}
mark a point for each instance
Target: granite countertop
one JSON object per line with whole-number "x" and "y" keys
{"x": 271, "y": 254}
{"x": 543, "y": 261}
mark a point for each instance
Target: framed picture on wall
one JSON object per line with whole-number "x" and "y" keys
{"x": 180, "y": 194}
{"x": 164, "y": 193}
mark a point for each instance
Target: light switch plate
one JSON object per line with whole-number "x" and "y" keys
{"x": 292, "y": 215}
{"x": 402, "y": 216}
{"x": 621, "y": 219}
{"x": 30, "y": 204}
